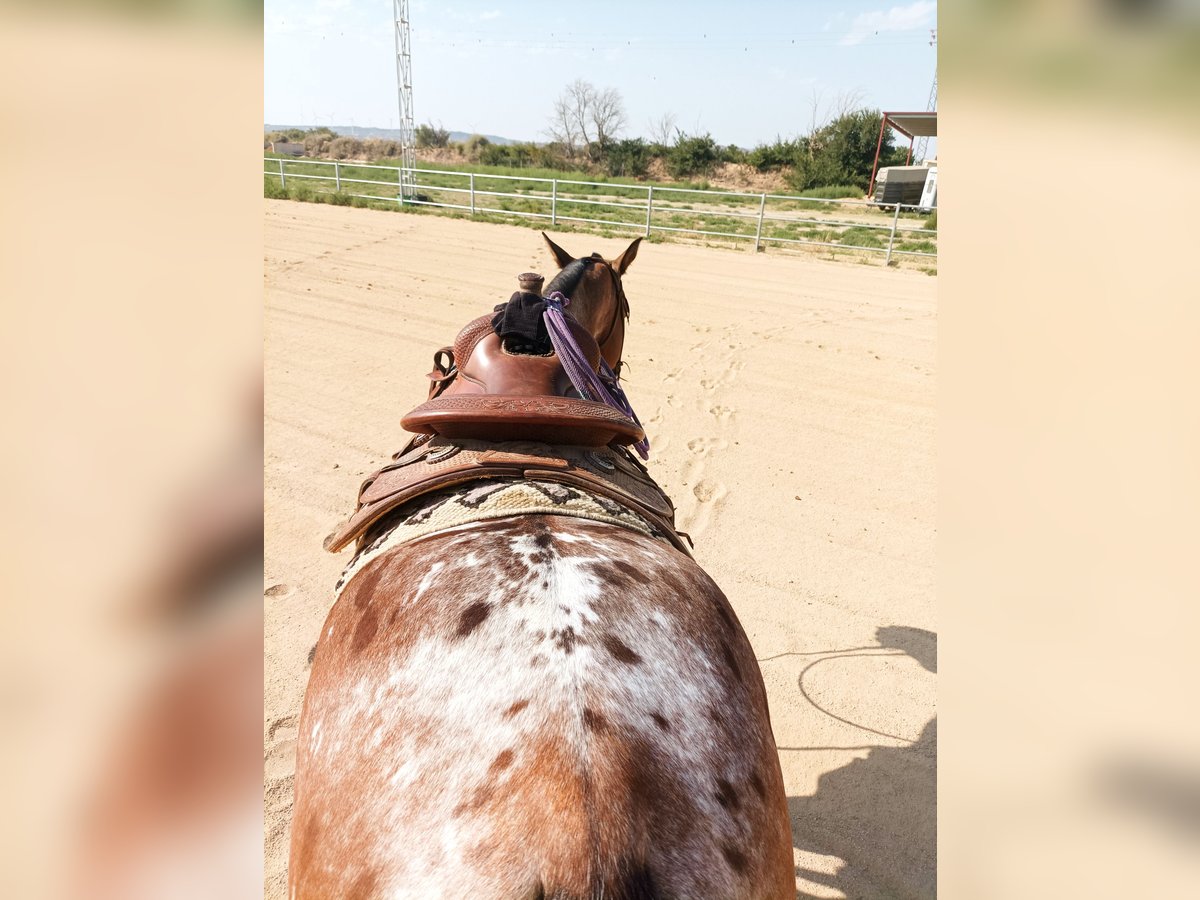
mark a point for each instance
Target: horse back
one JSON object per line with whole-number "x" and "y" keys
{"x": 537, "y": 707}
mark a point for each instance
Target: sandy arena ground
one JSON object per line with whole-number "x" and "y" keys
{"x": 791, "y": 408}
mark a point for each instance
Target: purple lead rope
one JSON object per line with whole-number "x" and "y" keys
{"x": 603, "y": 388}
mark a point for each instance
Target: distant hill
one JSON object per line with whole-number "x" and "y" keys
{"x": 364, "y": 131}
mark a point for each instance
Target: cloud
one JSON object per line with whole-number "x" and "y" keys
{"x": 921, "y": 14}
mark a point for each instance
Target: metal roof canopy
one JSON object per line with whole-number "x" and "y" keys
{"x": 913, "y": 124}
{"x": 910, "y": 124}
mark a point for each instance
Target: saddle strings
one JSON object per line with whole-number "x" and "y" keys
{"x": 603, "y": 388}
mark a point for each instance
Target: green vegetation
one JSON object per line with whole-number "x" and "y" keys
{"x": 511, "y": 183}
{"x": 692, "y": 156}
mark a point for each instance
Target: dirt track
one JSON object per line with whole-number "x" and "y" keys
{"x": 790, "y": 404}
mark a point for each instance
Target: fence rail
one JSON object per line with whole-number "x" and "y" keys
{"x": 760, "y": 218}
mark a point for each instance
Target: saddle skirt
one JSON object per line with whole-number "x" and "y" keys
{"x": 612, "y": 473}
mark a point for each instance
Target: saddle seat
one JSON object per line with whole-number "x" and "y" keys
{"x": 488, "y": 392}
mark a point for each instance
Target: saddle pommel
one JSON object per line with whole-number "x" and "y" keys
{"x": 499, "y": 395}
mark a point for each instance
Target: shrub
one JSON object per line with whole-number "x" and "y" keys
{"x": 272, "y": 189}
{"x": 772, "y": 157}
{"x": 345, "y": 148}
{"x": 733, "y": 154}
{"x": 931, "y": 222}
{"x": 381, "y": 148}
{"x": 692, "y": 156}
{"x": 630, "y": 158}
{"x": 338, "y": 198}
{"x": 431, "y": 136}
{"x": 474, "y": 145}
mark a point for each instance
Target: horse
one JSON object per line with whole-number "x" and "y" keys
{"x": 535, "y": 705}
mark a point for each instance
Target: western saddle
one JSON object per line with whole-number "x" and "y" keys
{"x": 505, "y": 408}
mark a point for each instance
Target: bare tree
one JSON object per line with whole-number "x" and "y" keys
{"x": 821, "y": 114}
{"x": 607, "y": 114}
{"x": 562, "y": 126}
{"x": 585, "y": 117}
{"x": 662, "y": 129}
{"x": 579, "y": 97}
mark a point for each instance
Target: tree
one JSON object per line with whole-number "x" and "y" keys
{"x": 843, "y": 151}
{"x": 607, "y": 114}
{"x": 662, "y": 129}
{"x": 587, "y": 118}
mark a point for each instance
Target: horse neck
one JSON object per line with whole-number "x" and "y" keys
{"x": 614, "y": 346}
{"x": 604, "y": 318}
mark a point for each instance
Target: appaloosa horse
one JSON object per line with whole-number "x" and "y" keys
{"x": 536, "y": 703}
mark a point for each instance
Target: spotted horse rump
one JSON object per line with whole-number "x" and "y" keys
{"x": 527, "y": 688}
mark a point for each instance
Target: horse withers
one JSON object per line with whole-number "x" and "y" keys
{"x": 526, "y": 687}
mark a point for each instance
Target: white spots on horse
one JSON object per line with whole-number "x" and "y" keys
{"x": 523, "y": 634}
{"x": 427, "y": 580}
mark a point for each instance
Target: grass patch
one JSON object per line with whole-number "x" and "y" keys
{"x": 862, "y": 237}
{"x": 931, "y": 222}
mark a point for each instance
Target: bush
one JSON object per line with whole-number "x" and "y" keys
{"x": 431, "y": 136}
{"x": 773, "y": 157}
{"x": 338, "y": 198}
{"x": 381, "y": 148}
{"x": 272, "y": 188}
{"x": 843, "y": 152}
{"x": 931, "y": 222}
{"x": 474, "y": 146}
{"x": 692, "y": 156}
{"x": 734, "y": 154}
{"x": 628, "y": 158}
{"x": 346, "y": 148}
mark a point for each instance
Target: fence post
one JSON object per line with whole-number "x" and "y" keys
{"x": 337, "y": 175}
{"x": 554, "y": 202}
{"x": 400, "y": 183}
{"x": 282, "y": 179}
{"x": 472, "y": 193}
{"x": 892, "y": 236}
{"x": 649, "y": 207}
{"x": 762, "y": 207}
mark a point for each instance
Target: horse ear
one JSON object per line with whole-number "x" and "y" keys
{"x": 622, "y": 262}
{"x": 561, "y": 256}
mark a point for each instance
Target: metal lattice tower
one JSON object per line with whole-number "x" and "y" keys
{"x": 404, "y": 88}
{"x": 923, "y": 142}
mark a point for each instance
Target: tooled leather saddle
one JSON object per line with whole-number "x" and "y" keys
{"x": 504, "y": 407}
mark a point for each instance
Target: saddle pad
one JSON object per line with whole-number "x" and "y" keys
{"x": 439, "y": 464}
{"x": 484, "y": 500}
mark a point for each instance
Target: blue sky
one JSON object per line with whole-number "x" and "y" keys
{"x": 743, "y": 71}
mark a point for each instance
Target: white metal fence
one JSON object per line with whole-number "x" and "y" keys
{"x": 855, "y": 225}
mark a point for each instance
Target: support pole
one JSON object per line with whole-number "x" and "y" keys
{"x": 337, "y": 175}
{"x": 875, "y": 165}
{"x": 282, "y": 179}
{"x": 908, "y": 162}
{"x": 762, "y": 208}
{"x": 892, "y": 236}
{"x": 472, "y": 193}
{"x": 554, "y": 202}
{"x": 649, "y": 207}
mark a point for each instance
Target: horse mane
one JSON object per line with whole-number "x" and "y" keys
{"x": 568, "y": 279}
{"x": 572, "y": 273}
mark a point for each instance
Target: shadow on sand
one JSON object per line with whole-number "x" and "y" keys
{"x": 877, "y": 814}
